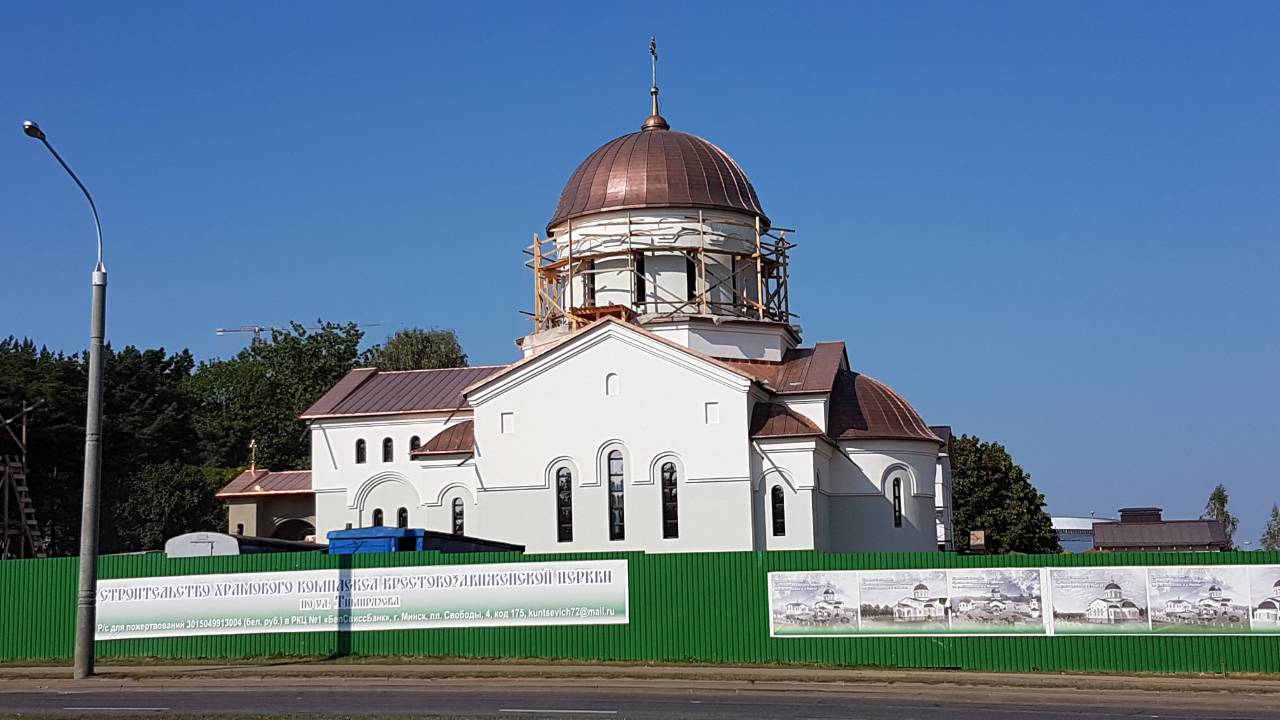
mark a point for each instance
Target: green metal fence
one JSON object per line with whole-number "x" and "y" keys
{"x": 706, "y": 607}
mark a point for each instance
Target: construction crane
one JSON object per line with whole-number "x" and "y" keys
{"x": 258, "y": 330}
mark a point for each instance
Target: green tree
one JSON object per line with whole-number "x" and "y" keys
{"x": 1271, "y": 536}
{"x": 1216, "y": 509}
{"x": 169, "y": 499}
{"x": 417, "y": 349}
{"x": 259, "y": 394}
{"x": 991, "y": 493}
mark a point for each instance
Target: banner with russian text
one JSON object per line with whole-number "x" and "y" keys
{"x": 593, "y": 592}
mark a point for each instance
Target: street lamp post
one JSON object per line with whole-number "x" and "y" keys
{"x": 86, "y": 608}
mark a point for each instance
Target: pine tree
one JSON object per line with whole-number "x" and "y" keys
{"x": 1271, "y": 536}
{"x": 1216, "y": 509}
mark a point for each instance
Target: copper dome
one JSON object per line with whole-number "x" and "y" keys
{"x": 863, "y": 408}
{"x": 654, "y": 168}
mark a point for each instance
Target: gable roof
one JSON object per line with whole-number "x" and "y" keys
{"x": 863, "y": 408}
{"x": 265, "y": 482}
{"x": 801, "y": 370}
{"x": 1162, "y": 534}
{"x": 604, "y": 322}
{"x": 368, "y": 391}
{"x": 458, "y": 438}
{"x": 773, "y": 420}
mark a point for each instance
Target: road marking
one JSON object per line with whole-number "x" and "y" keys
{"x": 554, "y": 710}
{"x": 114, "y": 709}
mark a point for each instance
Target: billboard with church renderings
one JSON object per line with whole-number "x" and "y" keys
{"x": 813, "y": 603}
{"x": 996, "y": 601}
{"x": 588, "y": 592}
{"x": 1099, "y": 600}
{"x": 903, "y": 602}
{"x": 1264, "y": 598}
{"x": 1206, "y": 599}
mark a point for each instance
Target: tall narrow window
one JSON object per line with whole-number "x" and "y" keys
{"x": 617, "y": 524}
{"x": 458, "y": 526}
{"x": 564, "y": 505}
{"x": 415, "y": 442}
{"x": 638, "y": 283}
{"x": 691, "y": 279}
{"x": 402, "y": 518}
{"x": 589, "y": 284}
{"x": 779, "y": 508}
{"x": 377, "y": 517}
{"x": 360, "y": 451}
{"x": 670, "y": 503}
{"x": 388, "y": 450}
{"x": 897, "y": 502}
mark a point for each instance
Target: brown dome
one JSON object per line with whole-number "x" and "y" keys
{"x": 654, "y": 168}
{"x": 863, "y": 408}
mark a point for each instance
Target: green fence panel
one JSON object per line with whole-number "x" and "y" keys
{"x": 700, "y": 607}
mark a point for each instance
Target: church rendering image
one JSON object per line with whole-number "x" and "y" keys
{"x": 663, "y": 402}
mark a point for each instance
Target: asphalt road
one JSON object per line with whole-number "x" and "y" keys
{"x": 523, "y": 699}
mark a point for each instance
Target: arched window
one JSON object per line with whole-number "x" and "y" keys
{"x": 638, "y": 284}
{"x": 779, "y": 508}
{"x": 377, "y": 517}
{"x": 617, "y": 524}
{"x": 897, "y": 502}
{"x": 402, "y": 518}
{"x": 457, "y": 517}
{"x": 415, "y": 442}
{"x": 360, "y": 451}
{"x": 611, "y": 384}
{"x": 670, "y": 504}
{"x": 564, "y": 505}
{"x": 388, "y": 450}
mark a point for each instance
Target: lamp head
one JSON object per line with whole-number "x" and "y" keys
{"x": 32, "y": 130}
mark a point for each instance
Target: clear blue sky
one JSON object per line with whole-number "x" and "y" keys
{"x": 1052, "y": 225}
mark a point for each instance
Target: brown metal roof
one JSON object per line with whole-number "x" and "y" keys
{"x": 771, "y": 420}
{"x": 264, "y": 482}
{"x": 459, "y": 438}
{"x": 381, "y": 393}
{"x": 657, "y": 167}
{"x": 943, "y": 432}
{"x": 864, "y": 408}
{"x": 801, "y": 371}
{"x": 1166, "y": 534}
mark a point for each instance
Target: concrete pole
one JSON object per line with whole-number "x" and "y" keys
{"x": 86, "y": 598}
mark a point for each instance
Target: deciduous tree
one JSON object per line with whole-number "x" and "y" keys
{"x": 1216, "y": 509}
{"x": 991, "y": 493}
{"x": 1271, "y": 536}
{"x": 417, "y": 349}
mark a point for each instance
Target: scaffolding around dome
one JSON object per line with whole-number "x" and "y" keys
{"x": 754, "y": 288}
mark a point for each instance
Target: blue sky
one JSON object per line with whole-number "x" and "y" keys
{"x": 1051, "y": 225}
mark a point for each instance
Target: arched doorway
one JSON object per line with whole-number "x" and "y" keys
{"x": 293, "y": 529}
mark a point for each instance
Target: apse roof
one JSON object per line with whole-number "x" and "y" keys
{"x": 264, "y": 482}
{"x": 459, "y": 438}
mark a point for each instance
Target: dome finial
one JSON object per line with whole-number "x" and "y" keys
{"x": 655, "y": 121}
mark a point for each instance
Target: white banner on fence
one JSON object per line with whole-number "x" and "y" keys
{"x": 1166, "y": 600}
{"x": 593, "y": 592}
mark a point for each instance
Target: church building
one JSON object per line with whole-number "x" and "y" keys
{"x": 663, "y": 401}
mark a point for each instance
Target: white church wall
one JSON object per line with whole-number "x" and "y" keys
{"x": 667, "y": 402}
{"x": 813, "y": 407}
{"x": 860, "y": 502}
{"x": 789, "y": 464}
{"x": 729, "y": 339}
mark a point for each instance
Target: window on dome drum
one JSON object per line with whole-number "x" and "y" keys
{"x": 779, "y": 510}
{"x": 457, "y": 517}
{"x": 897, "y": 502}
{"x": 402, "y": 518}
{"x": 589, "y": 284}
{"x": 670, "y": 503}
{"x": 564, "y": 505}
{"x": 377, "y": 517}
{"x": 415, "y": 442}
{"x": 388, "y": 450}
{"x": 638, "y": 283}
{"x": 360, "y": 454}
{"x": 691, "y": 279}
{"x": 617, "y": 524}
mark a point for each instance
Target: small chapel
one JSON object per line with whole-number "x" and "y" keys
{"x": 663, "y": 401}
